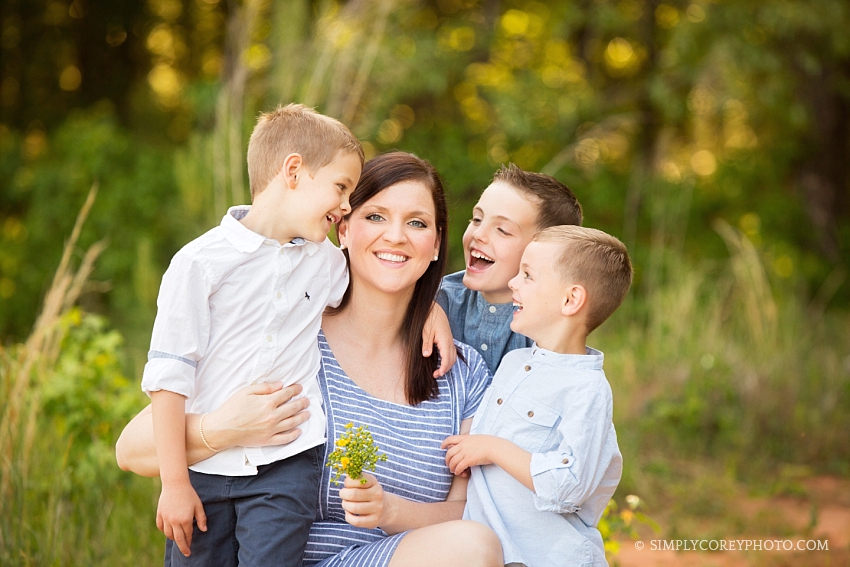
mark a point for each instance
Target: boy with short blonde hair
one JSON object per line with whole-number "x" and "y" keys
{"x": 295, "y": 129}
{"x": 509, "y": 212}
{"x": 239, "y": 305}
{"x": 543, "y": 450}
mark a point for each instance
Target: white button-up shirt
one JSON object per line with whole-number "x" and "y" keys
{"x": 559, "y": 408}
{"x": 236, "y": 308}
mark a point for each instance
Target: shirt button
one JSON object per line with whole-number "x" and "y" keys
{"x": 492, "y": 309}
{"x": 499, "y": 401}
{"x": 278, "y": 295}
{"x": 484, "y": 347}
{"x": 527, "y": 368}
{"x": 531, "y": 414}
{"x": 269, "y": 338}
{"x": 565, "y": 460}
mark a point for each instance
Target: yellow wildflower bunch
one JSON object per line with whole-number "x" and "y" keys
{"x": 355, "y": 451}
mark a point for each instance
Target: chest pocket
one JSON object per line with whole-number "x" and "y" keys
{"x": 532, "y": 423}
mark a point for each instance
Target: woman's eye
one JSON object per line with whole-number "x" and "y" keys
{"x": 503, "y": 231}
{"x": 374, "y": 217}
{"x": 417, "y": 224}
{"x": 475, "y": 221}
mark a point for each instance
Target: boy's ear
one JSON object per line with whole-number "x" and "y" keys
{"x": 574, "y": 300}
{"x": 292, "y": 169}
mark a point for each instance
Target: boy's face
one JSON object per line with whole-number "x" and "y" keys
{"x": 538, "y": 292}
{"x": 323, "y": 196}
{"x": 503, "y": 223}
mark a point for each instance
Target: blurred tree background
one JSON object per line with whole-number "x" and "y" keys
{"x": 712, "y": 137}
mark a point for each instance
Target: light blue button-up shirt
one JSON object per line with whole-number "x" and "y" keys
{"x": 484, "y": 326}
{"x": 559, "y": 408}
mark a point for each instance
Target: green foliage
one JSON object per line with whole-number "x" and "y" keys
{"x": 72, "y": 505}
{"x": 88, "y": 400}
{"x": 137, "y": 190}
{"x": 355, "y": 452}
{"x": 617, "y": 524}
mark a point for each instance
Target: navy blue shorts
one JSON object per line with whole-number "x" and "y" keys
{"x": 255, "y": 521}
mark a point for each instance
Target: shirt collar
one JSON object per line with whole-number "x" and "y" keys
{"x": 485, "y": 305}
{"x": 246, "y": 240}
{"x": 592, "y": 360}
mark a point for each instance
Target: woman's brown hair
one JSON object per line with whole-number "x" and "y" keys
{"x": 380, "y": 173}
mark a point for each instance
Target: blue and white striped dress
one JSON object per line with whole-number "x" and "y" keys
{"x": 411, "y": 438}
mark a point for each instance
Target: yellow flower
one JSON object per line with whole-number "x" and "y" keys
{"x": 344, "y": 461}
{"x": 342, "y": 441}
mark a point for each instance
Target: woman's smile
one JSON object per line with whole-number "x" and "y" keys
{"x": 393, "y": 259}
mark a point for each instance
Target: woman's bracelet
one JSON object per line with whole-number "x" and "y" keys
{"x": 203, "y": 437}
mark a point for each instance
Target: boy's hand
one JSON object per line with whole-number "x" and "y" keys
{"x": 178, "y": 506}
{"x": 437, "y": 330}
{"x": 466, "y": 451}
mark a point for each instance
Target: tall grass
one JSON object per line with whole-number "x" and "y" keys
{"x": 62, "y": 501}
{"x": 719, "y": 364}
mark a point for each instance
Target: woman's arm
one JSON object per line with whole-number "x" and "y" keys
{"x": 255, "y": 416}
{"x": 368, "y": 506}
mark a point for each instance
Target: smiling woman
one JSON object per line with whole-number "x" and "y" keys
{"x": 399, "y": 209}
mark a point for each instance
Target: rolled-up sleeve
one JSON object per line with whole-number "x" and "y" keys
{"x": 565, "y": 477}
{"x": 181, "y": 329}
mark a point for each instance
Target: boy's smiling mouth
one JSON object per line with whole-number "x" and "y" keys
{"x": 479, "y": 261}
{"x": 332, "y": 218}
{"x": 517, "y": 306}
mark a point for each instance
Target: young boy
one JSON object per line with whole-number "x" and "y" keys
{"x": 542, "y": 448}
{"x": 478, "y": 301}
{"x": 239, "y": 305}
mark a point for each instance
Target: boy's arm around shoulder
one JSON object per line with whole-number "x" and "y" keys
{"x": 566, "y": 476}
{"x": 451, "y": 297}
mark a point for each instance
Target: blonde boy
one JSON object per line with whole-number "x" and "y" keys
{"x": 511, "y": 209}
{"x": 239, "y": 305}
{"x": 542, "y": 449}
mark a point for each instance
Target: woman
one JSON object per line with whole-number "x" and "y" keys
{"x": 373, "y": 373}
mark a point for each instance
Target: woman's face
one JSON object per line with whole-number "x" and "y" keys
{"x": 392, "y": 238}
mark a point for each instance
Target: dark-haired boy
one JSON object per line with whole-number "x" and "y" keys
{"x": 542, "y": 450}
{"x": 509, "y": 212}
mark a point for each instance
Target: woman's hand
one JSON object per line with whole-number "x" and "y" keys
{"x": 257, "y": 416}
{"x": 365, "y": 505}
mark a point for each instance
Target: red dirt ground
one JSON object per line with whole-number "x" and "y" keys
{"x": 827, "y": 501}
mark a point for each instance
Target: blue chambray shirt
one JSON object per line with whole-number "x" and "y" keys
{"x": 486, "y": 327}
{"x": 559, "y": 408}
